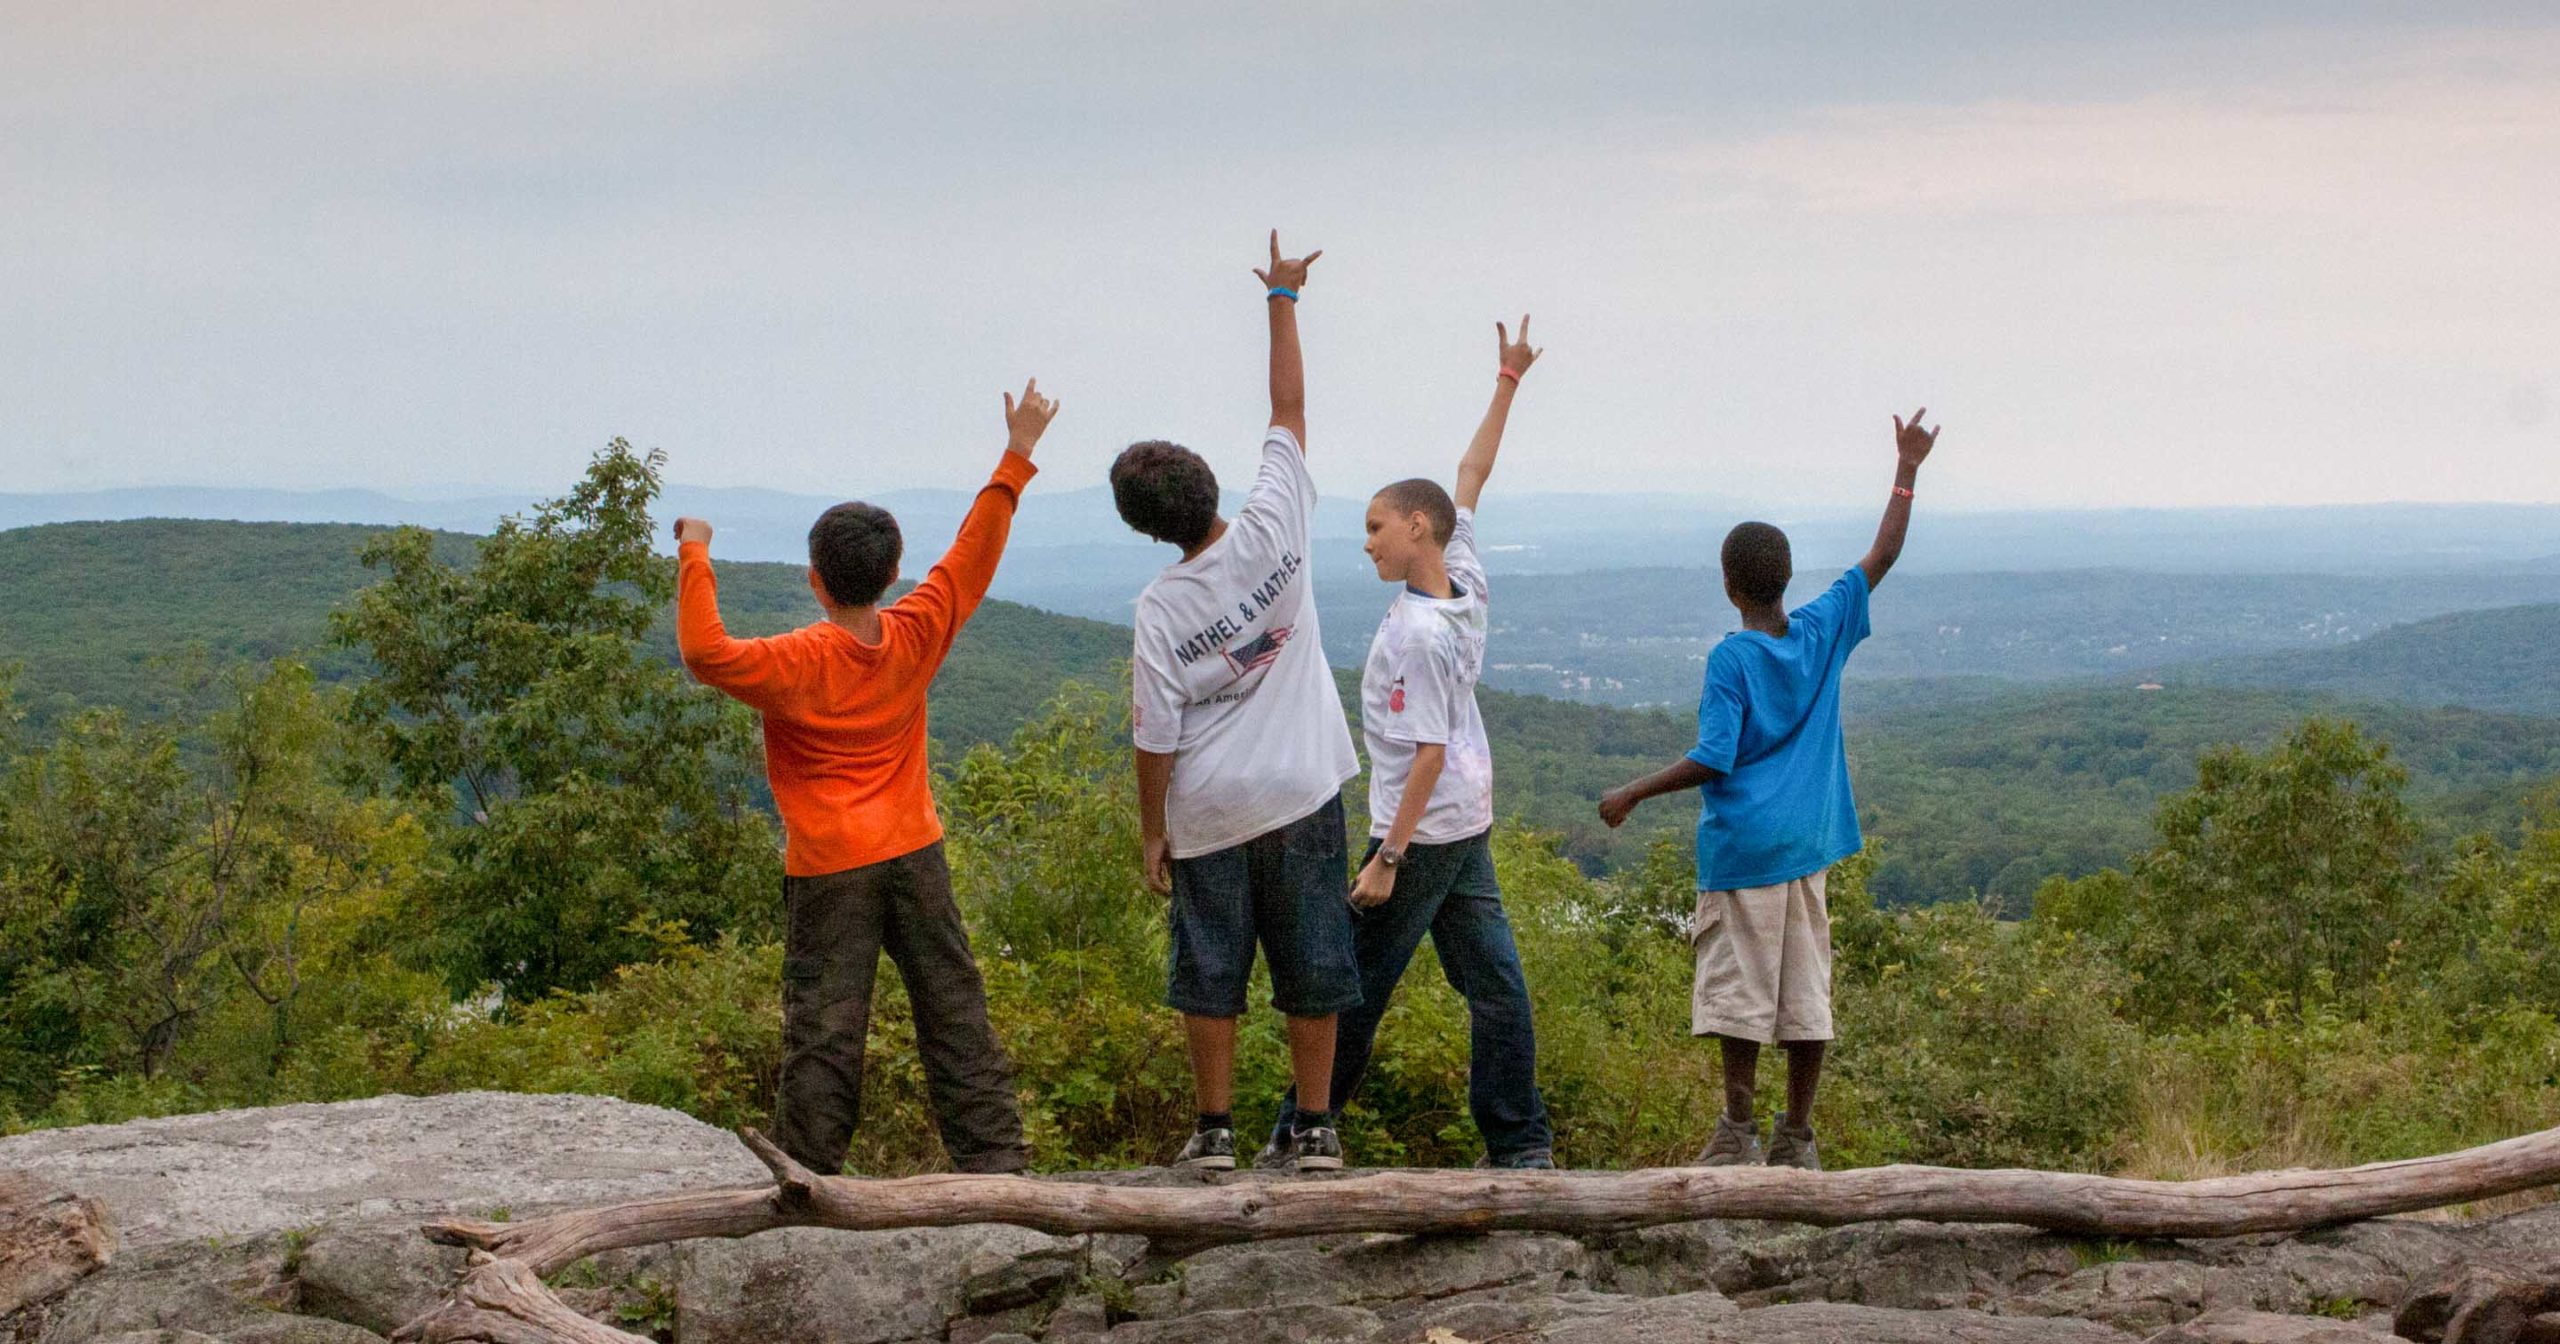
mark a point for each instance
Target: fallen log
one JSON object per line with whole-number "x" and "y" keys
{"x": 1489, "y": 1201}
{"x": 50, "y": 1239}
{"x": 502, "y": 1298}
{"x": 503, "y": 1302}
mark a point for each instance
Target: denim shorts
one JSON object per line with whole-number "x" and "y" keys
{"x": 1288, "y": 888}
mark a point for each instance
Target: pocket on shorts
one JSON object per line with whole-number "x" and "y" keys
{"x": 1705, "y": 920}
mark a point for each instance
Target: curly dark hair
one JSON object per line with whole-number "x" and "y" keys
{"x": 1757, "y": 563}
{"x": 1424, "y": 496}
{"x": 855, "y": 549}
{"x": 1166, "y": 491}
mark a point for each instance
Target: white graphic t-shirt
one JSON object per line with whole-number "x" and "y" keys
{"x": 1229, "y": 673}
{"x": 1419, "y": 687}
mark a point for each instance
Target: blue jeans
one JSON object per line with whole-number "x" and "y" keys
{"x": 1450, "y": 893}
{"x": 1283, "y": 889}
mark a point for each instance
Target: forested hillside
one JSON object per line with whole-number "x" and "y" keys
{"x": 1641, "y": 636}
{"x": 516, "y": 849}
{"x": 1968, "y": 786}
{"x": 2505, "y": 658}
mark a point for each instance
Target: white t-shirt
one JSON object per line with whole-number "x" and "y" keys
{"x": 1229, "y": 673}
{"x": 1419, "y": 687}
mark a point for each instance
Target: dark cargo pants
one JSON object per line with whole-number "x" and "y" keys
{"x": 839, "y": 924}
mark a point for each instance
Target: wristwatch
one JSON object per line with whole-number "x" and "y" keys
{"x": 1393, "y": 858}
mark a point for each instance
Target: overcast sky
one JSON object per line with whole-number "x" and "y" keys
{"x": 2186, "y": 254}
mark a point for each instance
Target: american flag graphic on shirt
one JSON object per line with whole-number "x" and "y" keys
{"x": 1258, "y": 651}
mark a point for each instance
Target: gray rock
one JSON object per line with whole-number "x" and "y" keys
{"x": 299, "y": 1330}
{"x": 1680, "y": 1318}
{"x": 1847, "y": 1323}
{"x": 1079, "y": 1318}
{"x": 2233, "y": 1325}
{"x": 160, "y": 1337}
{"x": 379, "y": 1276}
{"x": 236, "y": 1173}
{"x": 208, "y": 1286}
{"x": 1347, "y": 1271}
{"x": 1004, "y": 1325}
{"x": 1023, "y": 1281}
{"x": 821, "y": 1286}
{"x": 1262, "y": 1325}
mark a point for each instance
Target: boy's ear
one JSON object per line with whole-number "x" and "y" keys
{"x": 818, "y": 589}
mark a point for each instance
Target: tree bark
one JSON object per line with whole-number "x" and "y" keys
{"x": 1489, "y": 1201}
{"x": 1190, "y": 1218}
{"x": 503, "y": 1302}
{"x": 49, "y": 1239}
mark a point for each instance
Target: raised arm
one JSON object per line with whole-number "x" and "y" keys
{"x": 951, "y": 591}
{"x": 1478, "y": 463}
{"x": 742, "y": 668}
{"x": 1288, "y": 369}
{"x": 1911, "y": 445}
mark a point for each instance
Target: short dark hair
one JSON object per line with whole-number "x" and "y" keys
{"x": 1424, "y": 496}
{"x": 1757, "y": 563}
{"x": 855, "y": 549}
{"x": 1166, "y": 491}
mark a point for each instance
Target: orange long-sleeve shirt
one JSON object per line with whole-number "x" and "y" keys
{"x": 844, "y": 721}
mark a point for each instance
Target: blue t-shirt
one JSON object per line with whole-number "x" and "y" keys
{"x": 1769, "y": 724}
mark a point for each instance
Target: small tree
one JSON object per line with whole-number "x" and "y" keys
{"x": 591, "y": 792}
{"x": 2281, "y": 878}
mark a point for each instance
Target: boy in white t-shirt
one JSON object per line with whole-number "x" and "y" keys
{"x": 1242, "y": 753}
{"x": 1429, "y": 868}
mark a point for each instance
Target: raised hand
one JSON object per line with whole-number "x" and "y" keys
{"x": 1284, "y": 273}
{"x": 1515, "y": 356}
{"x": 692, "y": 529}
{"x": 1909, "y": 440}
{"x": 1025, "y": 420}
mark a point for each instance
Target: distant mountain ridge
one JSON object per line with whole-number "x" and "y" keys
{"x": 1537, "y": 532}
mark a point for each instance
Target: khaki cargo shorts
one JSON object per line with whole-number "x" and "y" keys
{"x": 1764, "y": 963}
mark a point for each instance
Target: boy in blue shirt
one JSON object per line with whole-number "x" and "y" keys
{"x": 1774, "y": 777}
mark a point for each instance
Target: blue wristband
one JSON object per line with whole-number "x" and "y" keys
{"x": 1282, "y": 292}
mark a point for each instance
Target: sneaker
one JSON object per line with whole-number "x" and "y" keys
{"x": 1792, "y": 1146}
{"x": 1319, "y": 1149}
{"x": 1736, "y": 1144}
{"x": 1280, "y": 1154}
{"x": 1210, "y": 1150}
{"x": 1536, "y": 1159}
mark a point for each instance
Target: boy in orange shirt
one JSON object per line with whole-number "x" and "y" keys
{"x": 843, "y": 704}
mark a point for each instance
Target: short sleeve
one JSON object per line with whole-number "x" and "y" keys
{"x": 1422, "y": 698}
{"x": 1463, "y": 563}
{"x": 1719, "y": 714}
{"x": 1283, "y": 498}
{"x": 1840, "y": 613}
{"x": 1156, "y": 698}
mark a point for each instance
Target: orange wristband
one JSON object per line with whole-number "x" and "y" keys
{"x": 1506, "y": 371}
{"x": 1904, "y": 491}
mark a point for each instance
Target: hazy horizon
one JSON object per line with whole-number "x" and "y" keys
{"x": 2193, "y": 256}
